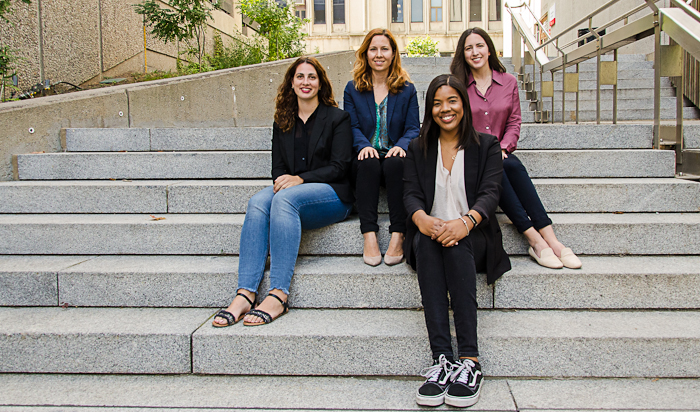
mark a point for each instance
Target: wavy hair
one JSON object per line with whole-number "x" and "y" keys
{"x": 286, "y": 104}
{"x": 362, "y": 73}
{"x": 430, "y": 131}
{"x": 459, "y": 66}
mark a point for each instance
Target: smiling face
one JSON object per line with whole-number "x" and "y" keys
{"x": 305, "y": 82}
{"x": 476, "y": 52}
{"x": 448, "y": 109}
{"x": 380, "y": 54}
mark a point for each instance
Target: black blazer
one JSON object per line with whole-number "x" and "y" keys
{"x": 330, "y": 151}
{"x": 483, "y": 170}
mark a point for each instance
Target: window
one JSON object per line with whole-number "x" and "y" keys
{"x": 435, "y": 10}
{"x": 338, "y": 11}
{"x": 397, "y": 11}
{"x": 301, "y": 14}
{"x": 474, "y": 10}
{"x": 416, "y": 11}
{"x": 319, "y": 11}
{"x": 494, "y": 10}
{"x": 455, "y": 10}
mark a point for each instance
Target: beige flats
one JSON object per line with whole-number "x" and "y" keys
{"x": 392, "y": 260}
{"x": 549, "y": 260}
{"x": 372, "y": 260}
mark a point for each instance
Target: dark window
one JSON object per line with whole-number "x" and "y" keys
{"x": 397, "y": 11}
{"x": 474, "y": 10}
{"x": 338, "y": 11}
{"x": 319, "y": 11}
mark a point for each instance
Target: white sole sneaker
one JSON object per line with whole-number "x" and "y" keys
{"x": 425, "y": 400}
{"x": 462, "y": 401}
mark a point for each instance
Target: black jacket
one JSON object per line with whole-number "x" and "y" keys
{"x": 330, "y": 151}
{"x": 483, "y": 170}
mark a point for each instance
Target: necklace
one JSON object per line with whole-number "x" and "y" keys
{"x": 454, "y": 157}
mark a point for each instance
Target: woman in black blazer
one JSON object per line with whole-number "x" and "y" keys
{"x": 383, "y": 108}
{"x": 311, "y": 158}
{"x": 452, "y": 183}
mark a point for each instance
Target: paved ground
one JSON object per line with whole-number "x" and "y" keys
{"x": 52, "y": 393}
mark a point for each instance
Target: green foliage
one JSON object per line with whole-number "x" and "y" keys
{"x": 422, "y": 47}
{"x": 241, "y": 52}
{"x": 278, "y": 26}
{"x": 154, "y": 75}
{"x": 185, "y": 20}
{"x": 5, "y": 8}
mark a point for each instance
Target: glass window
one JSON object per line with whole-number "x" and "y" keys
{"x": 338, "y": 11}
{"x": 319, "y": 11}
{"x": 417, "y": 11}
{"x": 397, "y": 11}
{"x": 455, "y": 10}
{"x": 494, "y": 10}
{"x": 435, "y": 10}
{"x": 474, "y": 10}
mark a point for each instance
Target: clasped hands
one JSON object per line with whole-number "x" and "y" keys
{"x": 286, "y": 181}
{"x": 370, "y": 151}
{"x": 448, "y": 233}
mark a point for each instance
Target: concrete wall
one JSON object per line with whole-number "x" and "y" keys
{"x": 80, "y": 40}
{"x": 234, "y": 97}
{"x": 568, "y": 12}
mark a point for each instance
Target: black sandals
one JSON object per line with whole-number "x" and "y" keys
{"x": 264, "y": 315}
{"x": 230, "y": 320}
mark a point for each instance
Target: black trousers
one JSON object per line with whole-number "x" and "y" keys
{"x": 519, "y": 199}
{"x": 369, "y": 175}
{"x": 450, "y": 270}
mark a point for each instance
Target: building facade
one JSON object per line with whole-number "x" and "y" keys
{"x": 342, "y": 24}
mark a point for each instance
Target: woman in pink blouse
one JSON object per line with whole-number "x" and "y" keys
{"x": 495, "y": 107}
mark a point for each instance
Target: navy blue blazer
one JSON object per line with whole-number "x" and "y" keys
{"x": 401, "y": 116}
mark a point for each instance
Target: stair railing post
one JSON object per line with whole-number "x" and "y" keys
{"x": 597, "y": 69}
{"x": 615, "y": 91}
{"x": 577, "y": 91}
{"x": 563, "y": 90}
{"x": 517, "y": 50}
{"x": 657, "y": 75}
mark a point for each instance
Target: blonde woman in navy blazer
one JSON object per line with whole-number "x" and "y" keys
{"x": 383, "y": 109}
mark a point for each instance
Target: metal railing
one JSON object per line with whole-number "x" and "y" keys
{"x": 681, "y": 23}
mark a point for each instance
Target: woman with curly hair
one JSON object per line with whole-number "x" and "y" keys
{"x": 311, "y": 160}
{"x": 495, "y": 105}
{"x": 383, "y": 107}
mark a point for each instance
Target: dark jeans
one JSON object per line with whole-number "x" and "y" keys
{"x": 450, "y": 270}
{"x": 519, "y": 199}
{"x": 369, "y": 175}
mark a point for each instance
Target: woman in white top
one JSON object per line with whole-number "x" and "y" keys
{"x": 452, "y": 183}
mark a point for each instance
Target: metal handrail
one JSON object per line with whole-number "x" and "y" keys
{"x": 532, "y": 13}
{"x": 689, "y": 10}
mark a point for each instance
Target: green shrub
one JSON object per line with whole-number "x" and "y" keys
{"x": 422, "y": 47}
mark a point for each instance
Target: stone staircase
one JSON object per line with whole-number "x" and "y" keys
{"x": 115, "y": 254}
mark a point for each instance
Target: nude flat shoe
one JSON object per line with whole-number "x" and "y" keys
{"x": 393, "y": 260}
{"x": 547, "y": 258}
{"x": 372, "y": 260}
{"x": 569, "y": 259}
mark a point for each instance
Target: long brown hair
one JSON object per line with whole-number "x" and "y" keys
{"x": 430, "y": 131}
{"x": 286, "y": 105}
{"x": 362, "y": 73}
{"x": 459, "y": 66}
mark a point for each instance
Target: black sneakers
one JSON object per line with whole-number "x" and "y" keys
{"x": 466, "y": 380}
{"x": 432, "y": 392}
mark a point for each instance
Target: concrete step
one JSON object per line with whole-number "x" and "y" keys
{"x": 689, "y": 113}
{"x": 252, "y": 165}
{"x": 357, "y": 342}
{"x": 511, "y": 343}
{"x": 167, "y": 139}
{"x": 231, "y": 196}
{"x": 93, "y": 340}
{"x": 213, "y": 234}
{"x": 607, "y": 94}
{"x": 604, "y": 282}
{"x": 667, "y": 103}
{"x": 160, "y": 393}
{"x": 585, "y": 136}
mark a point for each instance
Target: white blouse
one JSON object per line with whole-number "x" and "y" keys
{"x": 450, "y": 201}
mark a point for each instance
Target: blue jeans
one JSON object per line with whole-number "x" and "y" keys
{"x": 519, "y": 199}
{"x": 273, "y": 223}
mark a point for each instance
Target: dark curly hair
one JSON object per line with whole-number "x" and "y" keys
{"x": 286, "y": 105}
{"x": 430, "y": 131}
{"x": 459, "y": 66}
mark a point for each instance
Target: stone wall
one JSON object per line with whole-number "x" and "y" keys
{"x": 240, "y": 96}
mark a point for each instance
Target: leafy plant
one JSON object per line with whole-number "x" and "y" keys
{"x": 184, "y": 20}
{"x": 5, "y": 8}
{"x": 241, "y": 52}
{"x": 7, "y": 58}
{"x": 278, "y": 26}
{"x": 422, "y": 47}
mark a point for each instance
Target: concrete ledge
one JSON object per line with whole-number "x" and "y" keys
{"x": 597, "y": 163}
{"x": 211, "y": 234}
{"x": 584, "y": 136}
{"x": 58, "y": 340}
{"x": 226, "y": 138}
{"x": 107, "y": 140}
